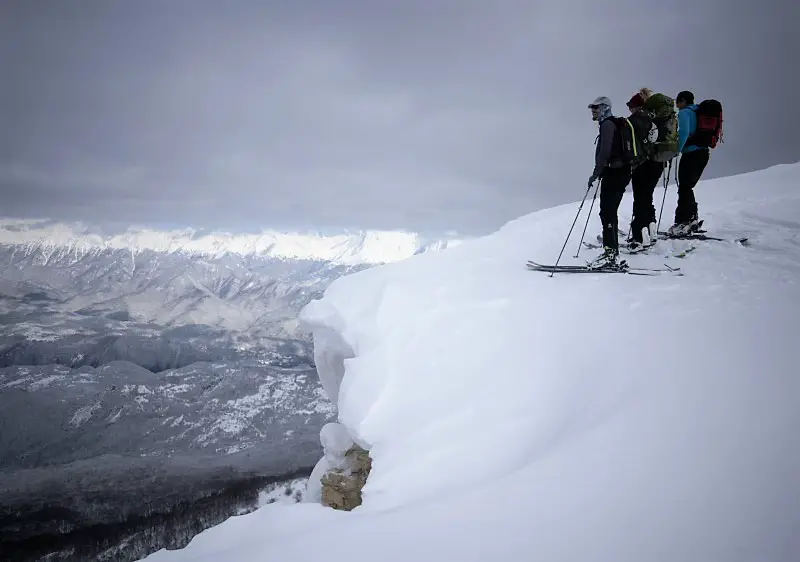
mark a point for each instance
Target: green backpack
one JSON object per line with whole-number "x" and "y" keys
{"x": 662, "y": 109}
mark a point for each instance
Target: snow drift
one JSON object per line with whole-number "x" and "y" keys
{"x": 511, "y": 415}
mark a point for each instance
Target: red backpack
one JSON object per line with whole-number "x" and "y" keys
{"x": 709, "y": 125}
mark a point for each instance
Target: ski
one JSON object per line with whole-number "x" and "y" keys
{"x": 695, "y": 236}
{"x": 589, "y": 269}
{"x": 690, "y": 236}
{"x": 600, "y": 268}
{"x": 582, "y": 269}
{"x": 623, "y": 250}
{"x": 629, "y": 252}
{"x": 599, "y": 237}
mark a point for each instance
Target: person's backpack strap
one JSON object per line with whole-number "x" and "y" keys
{"x": 624, "y": 150}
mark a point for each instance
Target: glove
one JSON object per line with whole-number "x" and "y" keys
{"x": 592, "y": 179}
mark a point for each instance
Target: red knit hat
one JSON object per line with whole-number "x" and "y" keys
{"x": 636, "y": 101}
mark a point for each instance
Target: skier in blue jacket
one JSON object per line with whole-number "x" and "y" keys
{"x": 693, "y": 162}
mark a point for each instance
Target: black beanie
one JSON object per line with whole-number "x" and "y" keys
{"x": 686, "y": 96}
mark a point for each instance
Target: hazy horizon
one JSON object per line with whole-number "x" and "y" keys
{"x": 457, "y": 115}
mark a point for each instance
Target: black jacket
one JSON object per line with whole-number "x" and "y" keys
{"x": 602, "y": 152}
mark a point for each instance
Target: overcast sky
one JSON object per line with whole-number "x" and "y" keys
{"x": 426, "y": 115}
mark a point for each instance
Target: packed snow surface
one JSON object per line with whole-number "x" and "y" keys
{"x": 511, "y": 415}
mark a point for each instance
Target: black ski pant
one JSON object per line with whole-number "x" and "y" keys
{"x": 612, "y": 188}
{"x": 643, "y": 182}
{"x": 690, "y": 169}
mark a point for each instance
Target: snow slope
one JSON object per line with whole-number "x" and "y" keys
{"x": 77, "y": 240}
{"x": 514, "y": 416}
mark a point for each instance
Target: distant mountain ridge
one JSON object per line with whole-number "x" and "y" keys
{"x": 155, "y": 369}
{"x": 352, "y": 248}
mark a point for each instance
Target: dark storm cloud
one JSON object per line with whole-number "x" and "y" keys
{"x": 423, "y": 115}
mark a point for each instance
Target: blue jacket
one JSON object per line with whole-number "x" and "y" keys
{"x": 687, "y": 123}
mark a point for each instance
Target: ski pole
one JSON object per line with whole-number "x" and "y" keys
{"x": 585, "y": 195}
{"x": 664, "y": 198}
{"x": 588, "y": 216}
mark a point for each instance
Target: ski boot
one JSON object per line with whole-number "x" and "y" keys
{"x": 652, "y": 231}
{"x": 608, "y": 260}
{"x": 686, "y": 228}
{"x": 635, "y": 246}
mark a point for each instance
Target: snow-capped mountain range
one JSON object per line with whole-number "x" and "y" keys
{"x": 361, "y": 247}
{"x": 172, "y": 353}
{"x": 62, "y": 285}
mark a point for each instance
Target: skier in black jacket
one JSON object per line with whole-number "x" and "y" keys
{"x": 614, "y": 177}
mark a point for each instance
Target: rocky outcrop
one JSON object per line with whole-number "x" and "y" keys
{"x": 340, "y": 475}
{"x": 341, "y": 488}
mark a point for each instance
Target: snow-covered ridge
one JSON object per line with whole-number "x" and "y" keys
{"x": 510, "y": 415}
{"x": 360, "y": 247}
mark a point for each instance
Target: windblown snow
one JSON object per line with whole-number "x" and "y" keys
{"x": 511, "y": 415}
{"x": 362, "y": 247}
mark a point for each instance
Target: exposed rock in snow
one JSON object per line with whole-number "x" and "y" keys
{"x": 335, "y": 444}
{"x": 342, "y": 472}
{"x": 341, "y": 487}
